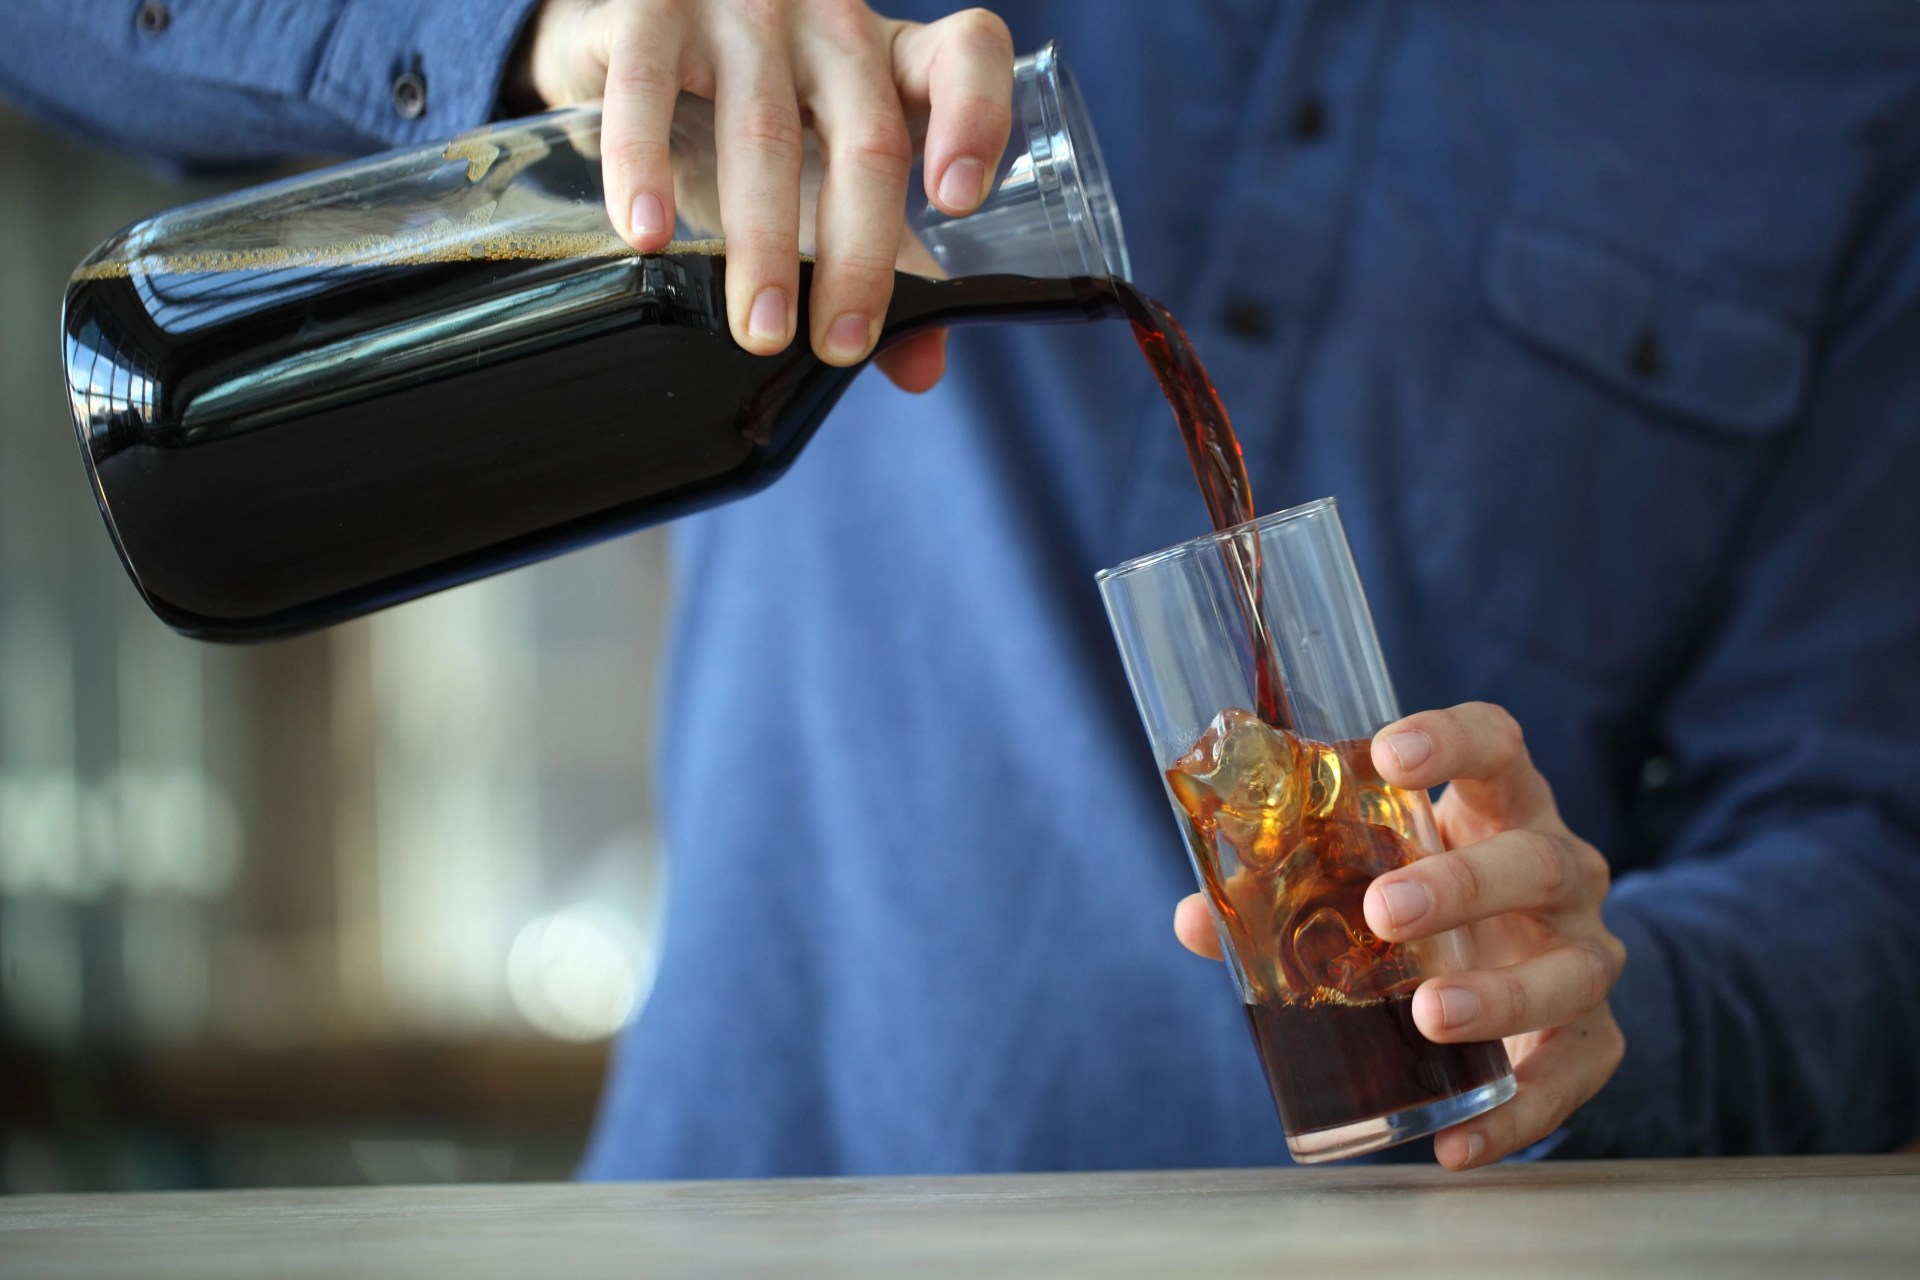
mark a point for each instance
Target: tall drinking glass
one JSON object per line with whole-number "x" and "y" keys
{"x": 1288, "y": 823}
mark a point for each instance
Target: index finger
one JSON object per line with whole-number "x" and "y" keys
{"x": 1476, "y": 747}
{"x": 643, "y": 84}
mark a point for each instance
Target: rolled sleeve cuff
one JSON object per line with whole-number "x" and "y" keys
{"x": 1637, "y": 1112}
{"x": 399, "y": 72}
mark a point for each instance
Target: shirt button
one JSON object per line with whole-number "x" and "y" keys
{"x": 1310, "y": 118}
{"x": 1248, "y": 319}
{"x": 1647, "y": 359}
{"x": 152, "y": 17}
{"x": 410, "y": 95}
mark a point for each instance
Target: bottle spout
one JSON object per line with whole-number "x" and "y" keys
{"x": 1051, "y": 210}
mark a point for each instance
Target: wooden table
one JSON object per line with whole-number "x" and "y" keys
{"x": 1753, "y": 1219}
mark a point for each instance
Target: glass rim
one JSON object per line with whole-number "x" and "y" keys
{"x": 1214, "y": 538}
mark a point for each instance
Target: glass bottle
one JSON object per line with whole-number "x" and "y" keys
{"x": 334, "y": 393}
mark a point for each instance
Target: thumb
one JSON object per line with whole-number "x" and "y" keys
{"x": 1193, "y": 925}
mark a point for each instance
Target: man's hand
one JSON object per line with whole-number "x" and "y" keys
{"x": 770, "y": 67}
{"x": 1528, "y": 892}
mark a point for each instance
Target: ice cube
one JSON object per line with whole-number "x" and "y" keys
{"x": 1289, "y": 833}
{"x": 1325, "y": 948}
{"x": 1332, "y": 954}
{"x": 1335, "y": 956}
{"x": 1370, "y": 799}
{"x": 1243, "y": 785}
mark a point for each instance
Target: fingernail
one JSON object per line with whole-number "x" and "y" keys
{"x": 1410, "y": 749}
{"x": 847, "y": 335}
{"x": 1406, "y": 901}
{"x": 1476, "y": 1147}
{"x": 1458, "y": 1006}
{"x": 767, "y": 322}
{"x": 649, "y": 216}
{"x": 960, "y": 186}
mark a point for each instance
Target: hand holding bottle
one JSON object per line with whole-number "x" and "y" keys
{"x": 867, "y": 86}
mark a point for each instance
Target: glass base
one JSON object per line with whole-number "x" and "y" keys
{"x": 1344, "y": 1141}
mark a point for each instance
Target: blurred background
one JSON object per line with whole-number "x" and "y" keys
{"x": 361, "y": 907}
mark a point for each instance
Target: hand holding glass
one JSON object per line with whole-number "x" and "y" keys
{"x": 1288, "y": 825}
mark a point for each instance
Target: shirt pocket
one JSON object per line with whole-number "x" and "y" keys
{"x": 1674, "y": 349}
{"x": 1595, "y": 454}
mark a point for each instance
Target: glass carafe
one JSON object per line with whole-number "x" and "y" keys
{"x": 313, "y": 399}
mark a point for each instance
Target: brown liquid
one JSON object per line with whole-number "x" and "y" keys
{"x": 1330, "y": 1066}
{"x": 281, "y": 441}
{"x": 1288, "y": 834}
{"x": 1214, "y": 451}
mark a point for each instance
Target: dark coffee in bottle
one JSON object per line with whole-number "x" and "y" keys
{"x": 281, "y": 442}
{"x": 313, "y": 398}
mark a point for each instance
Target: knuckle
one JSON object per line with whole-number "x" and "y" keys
{"x": 772, "y": 246}
{"x": 1615, "y": 952}
{"x": 760, "y": 16}
{"x": 987, "y": 115}
{"x": 985, "y": 30}
{"x": 881, "y": 145}
{"x": 1458, "y": 751}
{"x": 1598, "y": 972}
{"x": 1465, "y": 885}
{"x": 1518, "y": 1003}
{"x": 637, "y": 157}
{"x": 863, "y": 270}
{"x": 1508, "y": 737}
{"x": 637, "y": 76}
{"x": 1596, "y": 877}
{"x": 1550, "y": 860}
{"x": 861, "y": 282}
{"x": 629, "y": 41}
{"x": 849, "y": 24}
{"x": 772, "y": 126}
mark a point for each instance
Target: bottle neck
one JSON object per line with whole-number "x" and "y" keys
{"x": 920, "y": 303}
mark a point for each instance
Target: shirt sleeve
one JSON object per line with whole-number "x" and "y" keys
{"x": 222, "y": 82}
{"x": 1771, "y": 997}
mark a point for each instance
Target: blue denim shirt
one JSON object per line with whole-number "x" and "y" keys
{"x": 1601, "y": 319}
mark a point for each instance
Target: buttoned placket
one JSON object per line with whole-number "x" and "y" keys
{"x": 1278, "y": 246}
